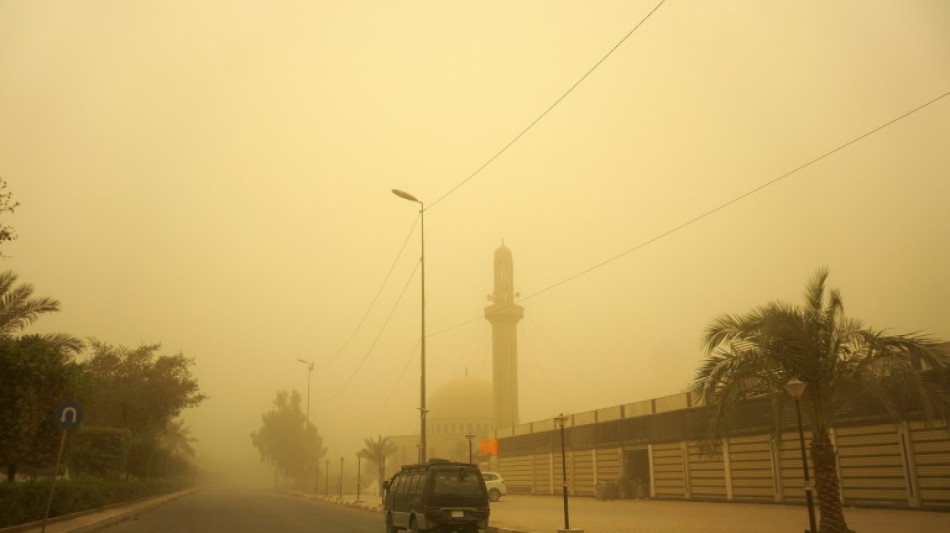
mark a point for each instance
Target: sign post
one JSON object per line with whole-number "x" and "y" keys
{"x": 68, "y": 415}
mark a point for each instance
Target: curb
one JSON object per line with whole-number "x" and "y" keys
{"x": 139, "y": 506}
{"x": 147, "y": 505}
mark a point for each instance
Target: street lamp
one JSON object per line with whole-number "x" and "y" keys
{"x": 561, "y": 420}
{"x": 309, "y": 374}
{"x": 341, "y": 478}
{"x": 422, "y": 383}
{"x": 796, "y": 389}
{"x": 316, "y": 482}
{"x": 358, "y": 475}
{"x": 469, "y": 436}
{"x": 326, "y": 486}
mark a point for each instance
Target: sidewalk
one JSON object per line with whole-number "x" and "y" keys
{"x": 96, "y": 519}
{"x": 545, "y": 514}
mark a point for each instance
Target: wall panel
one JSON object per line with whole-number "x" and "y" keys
{"x": 751, "y": 461}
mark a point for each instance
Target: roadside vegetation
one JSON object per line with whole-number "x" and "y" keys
{"x": 289, "y": 442}
{"x": 131, "y": 442}
{"x": 376, "y": 451}
{"x": 839, "y": 360}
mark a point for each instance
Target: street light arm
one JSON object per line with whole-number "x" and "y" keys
{"x": 406, "y": 196}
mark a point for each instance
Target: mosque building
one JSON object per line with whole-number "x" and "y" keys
{"x": 468, "y": 409}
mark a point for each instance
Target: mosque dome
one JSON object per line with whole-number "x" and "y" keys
{"x": 465, "y": 398}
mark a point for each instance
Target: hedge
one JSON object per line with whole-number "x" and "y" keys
{"x": 26, "y": 501}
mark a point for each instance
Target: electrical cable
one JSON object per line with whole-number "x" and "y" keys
{"x": 550, "y": 107}
{"x": 402, "y": 374}
{"x": 375, "y": 340}
{"x": 375, "y": 298}
{"x": 716, "y": 209}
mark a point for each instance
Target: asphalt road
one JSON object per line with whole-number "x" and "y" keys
{"x": 222, "y": 510}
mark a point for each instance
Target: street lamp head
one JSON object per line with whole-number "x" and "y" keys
{"x": 469, "y": 435}
{"x": 406, "y": 196}
{"x": 795, "y": 388}
{"x": 561, "y": 420}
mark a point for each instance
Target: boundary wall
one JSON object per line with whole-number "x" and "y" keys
{"x": 653, "y": 449}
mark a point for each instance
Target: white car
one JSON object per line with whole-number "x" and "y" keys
{"x": 495, "y": 485}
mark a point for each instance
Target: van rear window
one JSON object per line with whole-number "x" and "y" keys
{"x": 459, "y": 482}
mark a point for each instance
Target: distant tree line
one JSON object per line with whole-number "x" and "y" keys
{"x": 131, "y": 397}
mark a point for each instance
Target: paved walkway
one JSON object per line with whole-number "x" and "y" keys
{"x": 545, "y": 514}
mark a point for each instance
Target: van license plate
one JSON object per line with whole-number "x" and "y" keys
{"x": 458, "y": 514}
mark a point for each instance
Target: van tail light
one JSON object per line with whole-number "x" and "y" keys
{"x": 432, "y": 513}
{"x": 482, "y": 512}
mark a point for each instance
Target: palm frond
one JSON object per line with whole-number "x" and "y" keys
{"x": 815, "y": 292}
{"x": 63, "y": 341}
{"x": 18, "y": 310}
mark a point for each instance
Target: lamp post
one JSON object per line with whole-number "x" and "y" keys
{"x": 358, "y": 475}
{"x": 561, "y": 421}
{"x": 796, "y": 389}
{"x": 326, "y": 486}
{"x": 422, "y": 382}
{"x": 309, "y": 375}
{"x": 469, "y": 436}
{"x": 316, "y": 483}
{"x": 341, "y": 478}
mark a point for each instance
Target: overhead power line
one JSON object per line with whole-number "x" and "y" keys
{"x": 372, "y": 304}
{"x": 375, "y": 340}
{"x": 549, "y": 108}
{"x": 718, "y": 208}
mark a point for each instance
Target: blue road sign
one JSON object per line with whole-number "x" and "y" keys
{"x": 68, "y": 415}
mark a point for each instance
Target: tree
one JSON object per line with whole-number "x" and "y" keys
{"x": 37, "y": 371}
{"x": 377, "y": 451}
{"x": 7, "y": 205}
{"x": 143, "y": 392}
{"x": 19, "y": 309}
{"x": 755, "y": 354}
{"x": 37, "y": 376}
{"x": 286, "y": 439}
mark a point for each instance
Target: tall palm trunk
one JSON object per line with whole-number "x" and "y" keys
{"x": 826, "y": 482}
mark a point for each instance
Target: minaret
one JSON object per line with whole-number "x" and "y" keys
{"x": 504, "y": 315}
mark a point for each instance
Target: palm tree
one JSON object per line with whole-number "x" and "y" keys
{"x": 177, "y": 438}
{"x": 18, "y": 309}
{"x": 377, "y": 451}
{"x": 755, "y": 354}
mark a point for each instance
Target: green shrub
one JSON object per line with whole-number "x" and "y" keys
{"x": 26, "y": 502}
{"x": 100, "y": 451}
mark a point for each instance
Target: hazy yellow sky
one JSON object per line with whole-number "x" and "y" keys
{"x": 216, "y": 176}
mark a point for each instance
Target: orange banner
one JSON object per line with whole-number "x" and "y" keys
{"x": 488, "y": 447}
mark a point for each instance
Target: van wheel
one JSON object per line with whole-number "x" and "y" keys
{"x": 390, "y": 528}
{"x": 494, "y": 495}
{"x": 414, "y": 528}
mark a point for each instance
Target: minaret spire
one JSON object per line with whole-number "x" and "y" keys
{"x": 504, "y": 314}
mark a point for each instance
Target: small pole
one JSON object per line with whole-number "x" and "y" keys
{"x": 808, "y": 497}
{"x": 52, "y": 485}
{"x": 358, "y": 467}
{"x": 561, "y": 421}
{"x": 341, "y": 478}
{"x": 470, "y": 436}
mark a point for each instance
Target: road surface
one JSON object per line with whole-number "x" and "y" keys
{"x": 224, "y": 510}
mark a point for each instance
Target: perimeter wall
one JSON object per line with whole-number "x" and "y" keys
{"x": 652, "y": 449}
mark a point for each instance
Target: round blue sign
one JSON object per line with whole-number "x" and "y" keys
{"x": 68, "y": 415}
